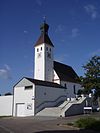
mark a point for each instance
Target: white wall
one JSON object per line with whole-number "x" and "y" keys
{"x": 48, "y": 63}
{"x": 43, "y": 69}
{"x": 39, "y": 64}
{"x": 45, "y": 96}
{"x": 70, "y": 88}
{"x": 6, "y": 103}
{"x": 56, "y": 78}
{"x": 24, "y": 96}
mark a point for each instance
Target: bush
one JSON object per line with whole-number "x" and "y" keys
{"x": 6, "y": 94}
{"x": 88, "y": 123}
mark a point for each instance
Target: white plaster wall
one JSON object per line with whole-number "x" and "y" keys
{"x": 48, "y": 63}
{"x": 70, "y": 88}
{"x": 39, "y": 65}
{"x": 6, "y": 103}
{"x": 56, "y": 78}
{"x": 25, "y": 96}
{"x": 47, "y": 94}
{"x": 23, "y": 82}
{"x": 43, "y": 66}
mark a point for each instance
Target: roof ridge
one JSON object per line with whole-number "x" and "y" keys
{"x": 63, "y": 64}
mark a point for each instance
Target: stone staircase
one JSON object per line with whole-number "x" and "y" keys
{"x": 65, "y": 109}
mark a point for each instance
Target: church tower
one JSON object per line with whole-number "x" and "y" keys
{"x": 43, "y": 69}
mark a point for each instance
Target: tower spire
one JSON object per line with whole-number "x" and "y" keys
{"x": 44, "y": 38}
{"x": 44, "y": 27}
{"x": 44, "y": 19}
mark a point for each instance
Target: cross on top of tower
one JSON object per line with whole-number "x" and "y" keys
{"x": 44, "y": 38}
{"x": 44, "y": 27}
{"x": 44, "y": 19}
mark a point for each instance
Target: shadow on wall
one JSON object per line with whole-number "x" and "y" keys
{"x": 67, "y": 131}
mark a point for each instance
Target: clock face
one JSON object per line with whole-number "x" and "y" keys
{"x": 39, "y": 55}
{"x": 48, "y": 55}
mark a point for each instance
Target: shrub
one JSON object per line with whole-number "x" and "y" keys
{"x": 88, "y": 123}
{"x": 6, "y": 94}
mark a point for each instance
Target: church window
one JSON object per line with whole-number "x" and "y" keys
{"x": 39, "y": 55}
{"x": 44, "y": 93}
{"x": 47, "y": 48}
{"x": 74, "y": 89}
{"x": 37, "y": 50}
{"x": 65, "y": 86}
{"x": 41, "y": 48}
{"x": 28, "y": 87}
{"x": 48, "y": 55}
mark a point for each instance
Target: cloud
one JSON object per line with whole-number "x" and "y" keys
{"x": 60, "y": 28}
{"x": 74, "y": 32}
{"x": 61, "y": 58}
{"x": 91, "y": 10}
{"x": 39, "y": 2}
{"x": 25, "y": 31}
{"x": 5, "y": 73}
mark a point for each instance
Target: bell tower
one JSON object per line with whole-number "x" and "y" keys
{"x": 43, "y": 69}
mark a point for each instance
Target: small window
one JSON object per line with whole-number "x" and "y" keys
{"x": 48, "y": 54}
{"x": 65, "y": 85}
{"x": 41, "y": 48}
{"x": 28, "y": 87}
{"x": 39, "y": 55}
{"x": 74, "y": 89}
{"x": 44, "y": 93}
{"x": 47, "y": 48}
{"x": 37, "y": 50}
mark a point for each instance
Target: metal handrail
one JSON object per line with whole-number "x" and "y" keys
{"x": 50, "y": 101}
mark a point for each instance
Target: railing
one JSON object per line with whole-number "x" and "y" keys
{"x": 70, "y": 103}
{"x": 53, "y": 103}
{"x": 65, "y": 105}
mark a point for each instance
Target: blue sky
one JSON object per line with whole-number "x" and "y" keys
{"x": 74, "y": 31}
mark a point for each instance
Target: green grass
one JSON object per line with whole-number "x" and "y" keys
{"x": 88, "y": 123}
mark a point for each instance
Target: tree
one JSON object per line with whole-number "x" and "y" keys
{"x": 91, "y": 79}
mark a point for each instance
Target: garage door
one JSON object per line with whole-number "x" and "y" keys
{"x": 20, "y": 110}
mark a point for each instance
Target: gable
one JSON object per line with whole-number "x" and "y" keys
{"x": 65, "y": 72}
{"x": 23, "y": 82}
{"x": 56, "y": 78}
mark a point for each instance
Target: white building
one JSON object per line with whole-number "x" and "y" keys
{"x": 53, "y": 82}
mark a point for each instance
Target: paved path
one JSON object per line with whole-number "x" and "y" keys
{"x": 40, "y": 125}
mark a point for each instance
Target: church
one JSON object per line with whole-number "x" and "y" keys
{"x": 53, "y": 81}
{"x": 53, "y": 89}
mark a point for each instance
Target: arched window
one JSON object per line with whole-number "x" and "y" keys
{"x": 41, "y": 48}
{"x": 37, "y": 50}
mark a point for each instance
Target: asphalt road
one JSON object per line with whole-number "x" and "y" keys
{"x": 41, "y": 124}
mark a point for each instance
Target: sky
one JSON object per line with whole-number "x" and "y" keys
{"x": 74, "y": 30}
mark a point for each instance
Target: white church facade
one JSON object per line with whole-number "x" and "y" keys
{"x": 53, "y": 83}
